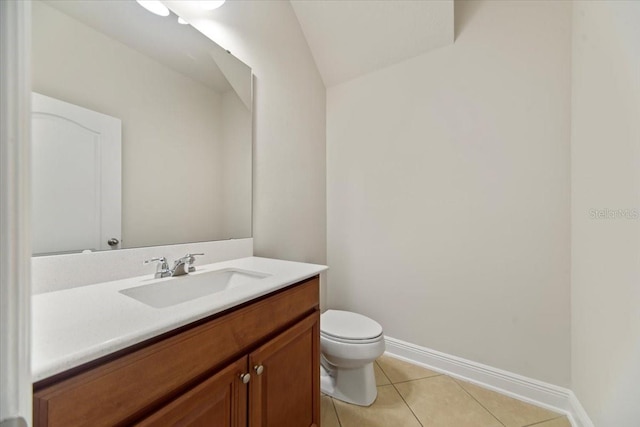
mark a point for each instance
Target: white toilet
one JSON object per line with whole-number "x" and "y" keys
{"x": 349, "y": 343}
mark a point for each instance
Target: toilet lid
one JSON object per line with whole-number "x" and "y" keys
{"x": 348, "y": 325}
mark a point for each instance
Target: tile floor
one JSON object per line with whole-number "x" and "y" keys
{"x": 410, "y": 395}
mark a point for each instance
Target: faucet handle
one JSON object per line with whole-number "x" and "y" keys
{"x": 162, "y": 268}
{"x": 161, "y": 260}
{"x": 193, "y": 255}
{"x": 190, "y": 259}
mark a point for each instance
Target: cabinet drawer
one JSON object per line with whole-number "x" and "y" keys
{"x": 124, "y": 389}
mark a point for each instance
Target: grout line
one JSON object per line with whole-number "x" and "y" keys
{"x": 435, "y": 374}
{"x": 417, "y": 379}
{"x": 335, "y": 411}
{"x": 405, "y": 402}
{"x": 528, "y": 425}
{"x": 381, "y": 370}
{"x": 479, "y": 403}
{"x": 537, "y": 423}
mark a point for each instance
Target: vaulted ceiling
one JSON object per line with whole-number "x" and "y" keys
{"x": 347, "y": 38}
{"x": 350, "y": 38}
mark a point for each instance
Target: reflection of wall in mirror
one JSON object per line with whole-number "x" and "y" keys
{"x": 236, "y": 131}
{"x": 174, "y": 175}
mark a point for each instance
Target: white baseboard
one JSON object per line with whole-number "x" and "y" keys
{"x": 579, "y": 417}
{"x": 539, "y": 393}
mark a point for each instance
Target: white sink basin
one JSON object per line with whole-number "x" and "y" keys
{"x": 176, "y": 290}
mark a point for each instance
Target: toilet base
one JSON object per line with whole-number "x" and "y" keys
{"x": 356, "y": 386}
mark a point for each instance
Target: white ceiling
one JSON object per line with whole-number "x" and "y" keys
{"x": 349, "y": 38}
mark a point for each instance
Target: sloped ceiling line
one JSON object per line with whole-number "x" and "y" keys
{"x": 350, "y": 38}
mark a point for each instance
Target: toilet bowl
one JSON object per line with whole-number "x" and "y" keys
{"x": 349, "y": 343}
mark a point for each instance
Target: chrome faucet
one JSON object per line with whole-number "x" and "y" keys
{"x": 181, "y": 266}
{"x": 184, "y": 265}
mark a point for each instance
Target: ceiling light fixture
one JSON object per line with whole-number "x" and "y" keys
{"x": 211, "y": 4}
{"x": 154, "y": 6}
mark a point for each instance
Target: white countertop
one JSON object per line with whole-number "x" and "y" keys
{"x": 75, "y": 326}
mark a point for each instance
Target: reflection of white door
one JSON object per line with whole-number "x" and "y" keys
{"x": 76, "y": 177}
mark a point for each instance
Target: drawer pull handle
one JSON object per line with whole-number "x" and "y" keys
{"x": 259, "y": 369}
{"x": 245, "y": 378}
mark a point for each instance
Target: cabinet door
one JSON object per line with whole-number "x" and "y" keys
{"x": 285, "y": 378}
{"x": 219, "y": 401}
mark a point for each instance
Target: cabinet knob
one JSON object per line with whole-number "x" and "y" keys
{"x": 259, "y": 369}
{"x": 245, "y": 378}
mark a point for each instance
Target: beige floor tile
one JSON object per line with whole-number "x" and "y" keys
{"x": 328, "y": 416}
{"x": 440, "y": 402}
{"x": 381, "y": 378}
{"x": 388, "y": 410}
{"x": 511, "y": 412}
{"x": 558, "y": 422}
{"x": 398, "y": 370}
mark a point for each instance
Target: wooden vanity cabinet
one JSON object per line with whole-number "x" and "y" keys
{"x": 198, "y": 375}
{"x": 287, "y": 390}
{"x": 219, "y": 401}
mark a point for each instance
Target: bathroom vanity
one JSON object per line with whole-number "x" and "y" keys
{"x": 246, "y": 355}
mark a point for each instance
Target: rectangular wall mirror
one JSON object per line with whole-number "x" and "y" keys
{"x": 142, "y": 131}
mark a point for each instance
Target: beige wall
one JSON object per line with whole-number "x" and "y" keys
{"x": 448, "y": 191}
{"x": 171, "y": 129}
{"x": 289, "y": 210}
{"x": 606, "y": 175}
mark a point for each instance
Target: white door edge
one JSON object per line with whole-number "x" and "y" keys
{"x": 15, "y": 243}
